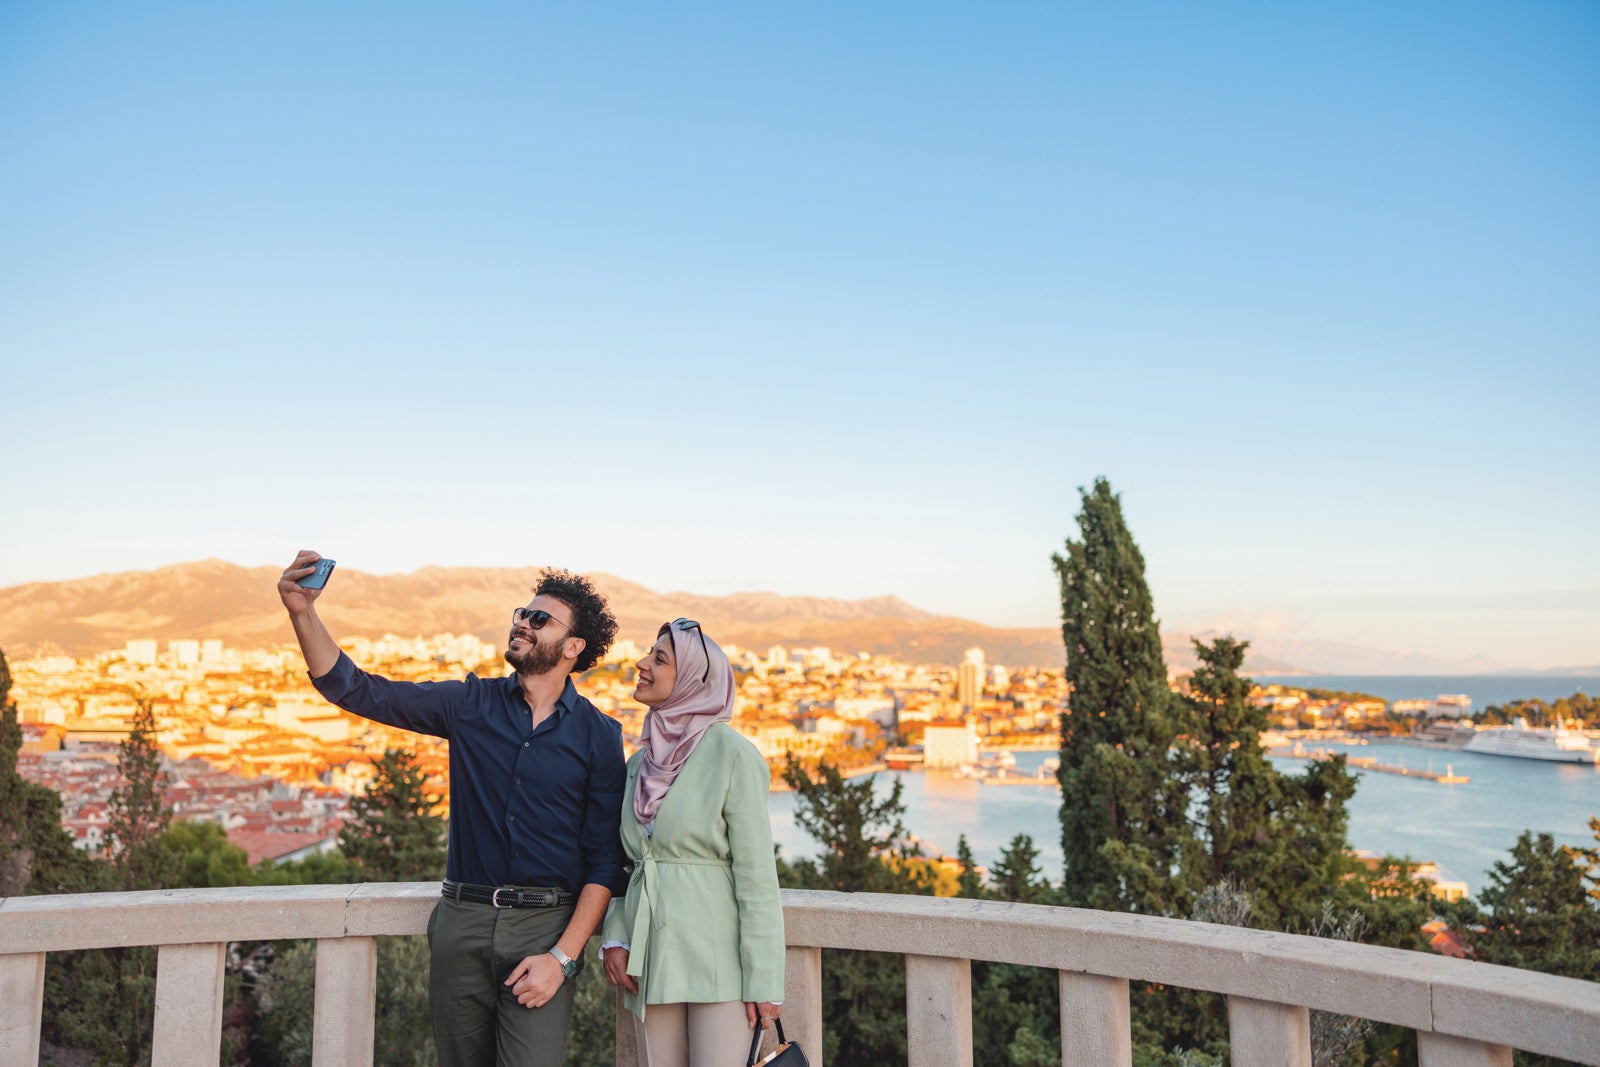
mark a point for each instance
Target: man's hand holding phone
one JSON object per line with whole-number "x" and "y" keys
{"x": 303, "y": 580}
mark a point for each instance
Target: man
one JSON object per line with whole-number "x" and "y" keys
{"x": 536, "y": 781}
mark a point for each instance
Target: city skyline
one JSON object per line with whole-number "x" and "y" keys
{"x": 834, "y": 303}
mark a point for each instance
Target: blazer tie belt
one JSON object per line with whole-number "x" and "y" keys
{"x": 643, "y": 871}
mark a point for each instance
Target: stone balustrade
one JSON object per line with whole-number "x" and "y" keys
{"x": 1465, "y": 1014}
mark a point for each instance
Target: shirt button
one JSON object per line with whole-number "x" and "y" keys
{"x": 525, "y": 744}
{"x": 511, "y": 818}
{"x": 519, "y": 781}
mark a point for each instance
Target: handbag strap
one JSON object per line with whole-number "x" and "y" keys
{"x": 755, "y": 1041}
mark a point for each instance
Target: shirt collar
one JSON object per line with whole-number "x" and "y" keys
{"x": 568, "y": 698}
{"x": 564, "y": 703}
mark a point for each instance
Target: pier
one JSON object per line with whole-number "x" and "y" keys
{"x": 1369, "y": 763}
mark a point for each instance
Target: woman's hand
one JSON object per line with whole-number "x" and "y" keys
{"x": 762, "y": 1011}
{"x": 616, "y": 958}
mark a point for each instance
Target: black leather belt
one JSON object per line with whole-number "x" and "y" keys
{"x": 505, "y": 896}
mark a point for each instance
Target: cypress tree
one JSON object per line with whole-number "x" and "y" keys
{"x": 1123, "y": 817}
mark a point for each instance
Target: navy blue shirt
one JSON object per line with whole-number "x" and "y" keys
{"x": 527, "y": 807}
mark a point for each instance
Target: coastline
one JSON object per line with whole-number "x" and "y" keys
{"x": 780, "y": 786}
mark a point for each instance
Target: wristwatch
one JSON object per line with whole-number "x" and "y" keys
{"x": 569, "y": 966}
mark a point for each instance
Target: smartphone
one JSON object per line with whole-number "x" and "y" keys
{"x": 319, "y": 577}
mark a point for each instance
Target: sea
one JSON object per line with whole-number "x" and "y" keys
{"x": 1484, "y": 689}
{"x": 1465, "y": 828}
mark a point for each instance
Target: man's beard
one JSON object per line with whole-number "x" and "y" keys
{"x": 540, "y": 658}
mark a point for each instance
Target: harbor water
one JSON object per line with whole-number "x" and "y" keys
{"x": 1464, "y": 828}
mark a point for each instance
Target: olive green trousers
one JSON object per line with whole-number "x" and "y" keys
{"x": 477, "y": 1022}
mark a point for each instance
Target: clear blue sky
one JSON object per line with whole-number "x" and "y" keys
{"x": 832, "y": 299}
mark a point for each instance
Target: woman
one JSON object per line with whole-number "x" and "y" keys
{"x": 698, "y": 938}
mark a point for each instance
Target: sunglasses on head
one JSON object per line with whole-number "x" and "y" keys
{"x": 535, "y": 618}
{"x": 690, "y": 624}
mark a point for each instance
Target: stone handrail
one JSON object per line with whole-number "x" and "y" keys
{"x": 1465, "y": 1014}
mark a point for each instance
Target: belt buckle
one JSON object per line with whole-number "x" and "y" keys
{"x": 494, "y": 899}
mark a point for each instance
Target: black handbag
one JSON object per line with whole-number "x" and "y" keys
{"x": 788, "y": 1054}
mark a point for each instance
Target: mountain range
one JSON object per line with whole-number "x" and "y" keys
{"x": 239, "y": 605}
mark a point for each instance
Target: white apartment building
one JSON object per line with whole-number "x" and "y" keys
{"x": 949, "y": 746}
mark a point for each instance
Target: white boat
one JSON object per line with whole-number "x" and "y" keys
{"x": 1555, "y": 743}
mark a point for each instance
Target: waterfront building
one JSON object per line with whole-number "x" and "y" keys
{"x": 949, "y": 744}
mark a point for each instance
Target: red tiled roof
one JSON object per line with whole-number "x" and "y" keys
{"x": 262, "y": 845}
{"x": 1444, "y": 940}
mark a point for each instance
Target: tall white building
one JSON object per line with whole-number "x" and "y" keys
{"x": 969, "y": 678}
{"x": 141, "y": 650}
{"x": 184, "y": 653}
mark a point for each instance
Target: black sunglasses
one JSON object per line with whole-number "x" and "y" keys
{"x": 535, "y": 618}
{"x": 690, "y": 624}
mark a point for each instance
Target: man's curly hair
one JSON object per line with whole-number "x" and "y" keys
{"x": 591, "y": 616}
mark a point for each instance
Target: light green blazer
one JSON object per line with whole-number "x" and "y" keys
{"x": 701, "y": 917}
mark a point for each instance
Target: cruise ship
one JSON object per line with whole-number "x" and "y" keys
{"x": 1525, "y": 742}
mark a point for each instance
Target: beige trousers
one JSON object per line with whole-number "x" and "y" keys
{"x": 693, "y": 1035}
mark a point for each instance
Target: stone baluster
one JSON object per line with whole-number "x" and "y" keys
{"x": 1096, "y": 1030}
{"x": 938, "y": 1011}
{"x": 802, "y": 1000}
{"x": 188, "y": 1029}
{"x": 21, "y": 1006}
{"x": 345, "y": 1002}
{"x": 1264, "y": 1034}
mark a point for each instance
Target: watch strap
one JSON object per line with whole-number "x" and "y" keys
{"x": 569, "y": 966}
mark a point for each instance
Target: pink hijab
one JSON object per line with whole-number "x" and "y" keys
{"x": 674, "y": 727}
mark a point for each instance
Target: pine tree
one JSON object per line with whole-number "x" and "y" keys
{"x": 970, "y": 884}
{"x": 863, "y": 850}
{"x": 1279, "y": 838}
{"x": 1123, "y": 818}
{"x": 1016, "y": 1010}
{"x": 1541, "y": 911}
{"x": 107, "y": 1004}
{"x": 1016, "y": 876}
{"x": 394, "y": 834}
{"x": 861, "y": 836}
{"x": 138, "y": 813}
